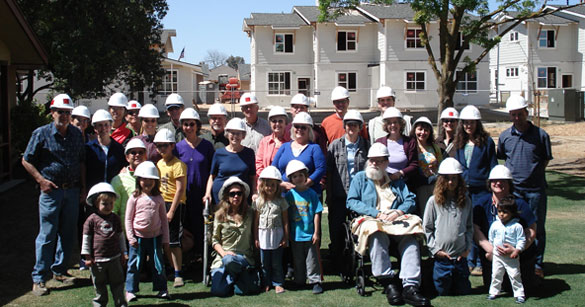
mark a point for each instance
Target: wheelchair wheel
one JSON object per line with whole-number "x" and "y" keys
{"x": 349, "y": 257}
{"x": 207, "y": 280}
{"x": 360, "y": 283}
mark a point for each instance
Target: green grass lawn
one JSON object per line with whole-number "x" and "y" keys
{"x": 564, "y": 284}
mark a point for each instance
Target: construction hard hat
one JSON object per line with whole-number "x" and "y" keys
{"x": 82, "y": 111}
{"x": 102, "y": 187}
{"x": 516, "y": 102}
{"x": 118, "y": 100}
{"x": 300, "y": 99}
{"x": 385, "y": 91}
{"x": 247, "y": 99}
{"x": 353, "y": 115}
{"x": 217, "y": 109}
{"x": 236, "y": 124}
{"x": 271, "y": 172}
{"x": 190, "y": 113}
{"x": 294, "y": 166}
{"x": 148, "y": 111}
{"x": 339, "y": 92}
{"x": 450, "y": 113}
{"x": 62, "y": 101}
{"x": 134, "y": 143}
{"x": 392, "y": 112}
{"x": 500, "y": 172}
{"x": 133, "y": 105}
{"x": 100, "y": 116}
{"x": 303, "y": 118}
{"x": 146, "y": 169}
{"x": 470, "y": 113}
{"x": 423, "y": 119}
{"x": 174, "y": 100}
{"x": 231, "y": 181}
{"x": 450, "y": 166}
{"x": 164, "y": 135}
{"x": 378, "y": 150}
{"x": 277, "y": 111}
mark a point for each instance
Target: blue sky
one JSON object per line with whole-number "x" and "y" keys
{"x": 217, "y": 25}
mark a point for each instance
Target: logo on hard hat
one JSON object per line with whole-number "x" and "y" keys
{"x": 248, "y": 99}
{"x": 53, "y": 102}
{"x": 66, "y": 101}
{"x": 133, "y": 105}
{"x": 451, "y": 114}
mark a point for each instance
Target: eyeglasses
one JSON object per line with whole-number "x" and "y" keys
{"x": 173, "y": 108}
{"x": 236, "y": 132}
{"x": 100, "y": 125}
{"x": 136, "y": 152}
{"x": 66, "y": 112}
{"x": 449, "y": 120}
{"x": 189, "y": 124}
{"x": 234, "y": 194}
{"x": 162, "y": 145}
{"x": 149, "y": 120}
{"x": 277, "y": 121}
{"x": 133, "y": 113}
{"x": 301, "y": 127}
{"x": 378, "y": 160}
{"x": 352, "y": 124}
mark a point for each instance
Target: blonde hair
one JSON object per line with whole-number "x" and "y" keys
{"x": 263, "y": 195}
{"x": 104, "y": 196}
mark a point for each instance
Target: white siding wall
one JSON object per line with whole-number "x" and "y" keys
{"x": 264, "y": 43}
{"x": 366, "y": 47}
{"x": 261, "y": 78}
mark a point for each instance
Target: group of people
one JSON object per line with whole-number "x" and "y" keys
{"x": 266, "y": 178}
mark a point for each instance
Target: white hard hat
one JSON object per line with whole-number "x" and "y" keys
{"x": 82, "y": 111}
{"x": 294, "y": 166}
{"x": 234, "y": 180}
{"x": 164, "y": 135}
{"x": 470, "y": 113}
{"x": 190, "y": 113}
{"x": 450, "y": 113}
{"x": 271, "y": 172}
{"x": 450, "y": 166}
{"x": 134, "y": 143}
{"x": 62, "y": 101}
{"x": 423, "y": 119}
{"x": 236, "y": 124}
{"x": 353, "y": 115}
{"x": 174, "y": 100}
{"x": 516, "y": 102}
{"x": 247, "y": 99}
{"x": 102, "y": 187}
{"x": 338, "y": 93}
{"x": 303, "y": 118}
{"x": 148, "y": 111}
{"x": 277, "y": 111}
{"x": 217, "y": 109}
{"x": 500, "y": 172}
{"x": 118, "y": 100}
{"x": 300, "y": 99}
{"x": 392, "y": 112}
{"x": 133, "y": 105}
{"x": 100, "y": 116}
{"x": 146, "y": 169}
{"x": 378, "y": 150}
{"x": 385, "y": 91}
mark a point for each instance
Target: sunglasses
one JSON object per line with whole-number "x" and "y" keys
{"x": 189, "y": 124}
{"x": 353, "y": 124}
{"x": 234, "y": 194}
{"x": 449, "y": 120}
{"x": 136, "y": 152}
{"x": 162, "y": 145}
{"x": 236, "y": 132}
{"x": 173, "y": 109}
{"x": 66, "y": 112}
{"x": 277, "y": 121}
{"x": 149, "y": 120}
{"x": 301, "y": 127}
{"x": 133, "y": 113}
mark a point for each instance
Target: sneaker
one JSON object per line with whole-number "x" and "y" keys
{"x": 178, "y": 282}
{"x": 40, "y": 289}
{"x": 65, "y": 278}
{"x": 279, "y": 289}
{"x": 317, "y": 289}
{"x": 163, "y": 294}
{"x": 130, "y": 297}
{"x": 491, "y": 297}
{"x": 520, "y": 300}
{"x": 477, "y": 271}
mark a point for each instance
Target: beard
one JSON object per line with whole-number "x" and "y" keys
{"x": 375, "y": 173}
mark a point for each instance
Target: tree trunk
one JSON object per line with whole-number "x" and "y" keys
{"x": 446, "y": 91}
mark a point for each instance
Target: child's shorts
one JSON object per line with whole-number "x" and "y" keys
{"x": 176, "y": 225}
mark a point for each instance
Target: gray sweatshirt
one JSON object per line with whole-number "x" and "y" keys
{"x": 448, "y": 227}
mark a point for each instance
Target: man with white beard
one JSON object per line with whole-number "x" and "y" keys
{"x": 373, "y": 194}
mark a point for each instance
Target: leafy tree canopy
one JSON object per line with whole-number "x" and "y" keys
{"x": 233, "y": 61}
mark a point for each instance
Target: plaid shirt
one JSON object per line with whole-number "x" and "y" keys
{"x": 57, "y": 158}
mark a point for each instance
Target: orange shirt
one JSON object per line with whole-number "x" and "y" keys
{"x": 333, "y": 126}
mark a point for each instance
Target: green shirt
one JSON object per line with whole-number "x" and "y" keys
{"x": 124, "y": 184}
{"x": 235, "y": 238}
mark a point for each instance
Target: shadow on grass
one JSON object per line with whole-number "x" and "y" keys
{"x": 79, "y": 283}
{"x": 549, "y": 287}
{"x": 564, "y": 268}
{"x": 566, "y": 186}
{"x": 192, "y": 296}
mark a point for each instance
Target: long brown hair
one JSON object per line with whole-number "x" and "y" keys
{"x": 154, "y": 192}
{"x": 225, "y": 209}
{"x": 479, "y": 137}
{"x": 441, "y": 190}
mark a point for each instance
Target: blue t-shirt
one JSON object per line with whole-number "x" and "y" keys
{"x": 226, "y": 164}
{"x": 301, "y": 213}
{"x": 313, "y": 158}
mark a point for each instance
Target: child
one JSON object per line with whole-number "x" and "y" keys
{"x": 448, "y": 227}
{"x": 305, "y": 220}
{"x": 271, "y": 227}
{"x": 173, "y": 186}
{"x": 146, "y": 229}
{"x": 507, "y": 229}
{"x": 103, "y": 246}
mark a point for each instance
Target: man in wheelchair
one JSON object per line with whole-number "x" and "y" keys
{"x": 372, "y": 194}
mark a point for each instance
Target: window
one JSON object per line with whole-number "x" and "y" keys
{"x": 567, "y": 81}
{"x": 461, "y": 42}
{"x": 512, "y": 72}
{"x": 169, "y": 82}
{"x": 346, "y": 41}
{"x": 413, "y": 38}
{"x": 279, "y": 83}
{"x": 347, "y": 80}
{"x": 546, "y": 39}
{"x": 513, "y": 36}
{"x": 467, "y": 82}
{"x": 415, "y": 81}
{"x": 283, "y": 43}
{"x": 547, "y": 77}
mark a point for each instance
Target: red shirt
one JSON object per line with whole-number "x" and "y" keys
{"x": 121, "y": 134}
{"x": 333, "y": 126}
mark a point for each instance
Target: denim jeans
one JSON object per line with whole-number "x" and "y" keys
{"x": 58, "y": 213}
{"x": 272, "y": 272}
{"x": 538, "y": 204}
{"x": 223, "y": 278}
{"x": 137, "y": 257}
{"x": 451, "y": 276}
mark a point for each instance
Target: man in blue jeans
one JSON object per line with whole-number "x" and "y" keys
{"x": 54, "y": 157}
{"x": 527, "y": 151}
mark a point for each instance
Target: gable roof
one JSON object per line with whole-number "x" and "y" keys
{"x": 311, "y": 15}
{"x": 244, "y": 71}
{"x": 548, "y": 20}
{"x": 15, "y": 32}
{"x": 575, "y": 11}
{"x": 394, "y": 11}
{"x": 274, "y": 19}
